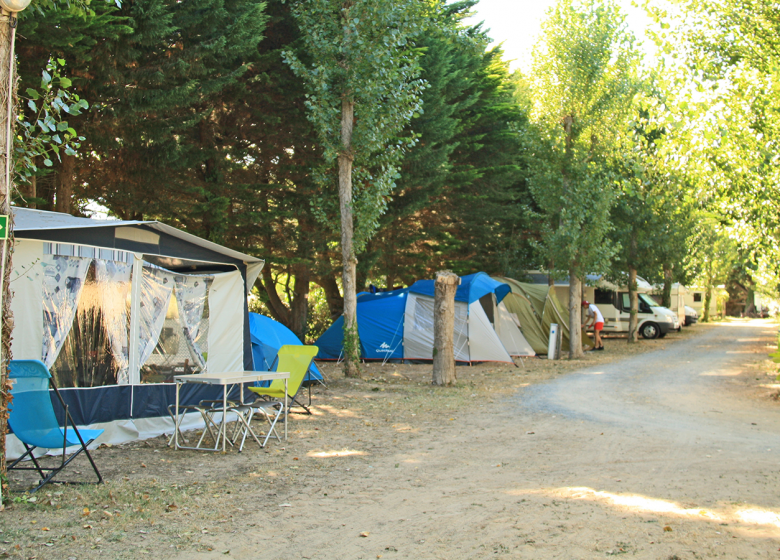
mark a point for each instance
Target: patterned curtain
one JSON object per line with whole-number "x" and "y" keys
{"x": 113, "y": 281}
{"x": 191, "y": 293}
{"x": 156, "y": 289}
{"x": 63, "y": 281}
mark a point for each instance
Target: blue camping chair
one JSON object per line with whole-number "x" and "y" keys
{"x": 33, "y": 420}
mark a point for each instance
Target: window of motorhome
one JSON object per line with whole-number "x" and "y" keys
{"x": 605, "y": 297}
{"x": 648, "y": 300}
{"x": 697, "y": 297}
{"x": 644, "y": 306}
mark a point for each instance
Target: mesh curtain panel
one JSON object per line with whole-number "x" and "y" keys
{"x": 63, "y": 282}
{"x": 113, "y": 282}
{"x": 156, "y": 290}
{"x": 191, "y": 294}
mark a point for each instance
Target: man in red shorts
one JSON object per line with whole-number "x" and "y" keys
{"x": 595, "y": 318}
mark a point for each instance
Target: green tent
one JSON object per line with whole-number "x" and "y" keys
{"x": 537, "y": 307}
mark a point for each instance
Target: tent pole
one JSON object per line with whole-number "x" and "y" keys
{"x": 134, "y": 375}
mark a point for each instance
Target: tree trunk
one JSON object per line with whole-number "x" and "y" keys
{"x": 667, "y": 294}
{"x": 349, "y": 260}
{"x": 332, "y": 296}
{"x": 575, "y": 316}
{"x": 295, "y": 315}
{"x": 444, "y": 327}
{"x": 7, "y": 118}
{"x": 299, "y": 308}
{"x": 708, "y": 294}
{"x": 65, "y": 184}
{"x": 633, "y": 298}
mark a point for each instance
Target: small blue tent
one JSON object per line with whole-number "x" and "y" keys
{"x": 267, "y": 337}
{"x": 399, "y": 324}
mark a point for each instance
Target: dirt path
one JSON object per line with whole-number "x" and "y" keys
{"x": 667, "y": 455}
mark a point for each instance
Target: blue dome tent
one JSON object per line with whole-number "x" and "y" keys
{"x": 399, "y": 324}
{"x": 267, "y": 336}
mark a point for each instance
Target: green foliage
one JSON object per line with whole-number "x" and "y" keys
{"x": 361, "y": 52}
{"x": 584, "y": 79}
{"x": 44, "y": 132}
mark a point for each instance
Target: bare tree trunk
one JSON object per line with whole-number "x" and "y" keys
{"x": 708, "y": 294}
{"x": 299, "y": 308}
{"x": 332, "y": 295}
{"x": 575, "y": 316}
{"x": 7, "y": 118}
{"x": 65, "y": 184}
{"x": 633, "y": 298}
{"x": 667, "y": 294}
{"x": 349, "y": 274}
{"x": 444, "y": 327}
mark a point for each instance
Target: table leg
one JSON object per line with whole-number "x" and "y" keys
{"x": 176, "y": 420}
{"x": 224, "y": 416}
{"x": 285, "y": 409}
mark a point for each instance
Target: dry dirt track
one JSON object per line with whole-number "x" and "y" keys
{"x": 662, "y": 456}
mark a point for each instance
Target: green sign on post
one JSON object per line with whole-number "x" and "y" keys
{"x": 3, "y": 227}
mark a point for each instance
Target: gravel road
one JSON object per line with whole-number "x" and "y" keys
{"x": 670, "y": 455}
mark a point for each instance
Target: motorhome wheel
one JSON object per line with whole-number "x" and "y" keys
{"x": 650, "y": 330}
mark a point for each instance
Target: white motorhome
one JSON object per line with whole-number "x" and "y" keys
{"x": 654, "y": 321}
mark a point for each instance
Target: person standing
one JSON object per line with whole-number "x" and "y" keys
{"x": 596, "y": 319}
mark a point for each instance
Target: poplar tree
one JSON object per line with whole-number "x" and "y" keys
{"x": 583, "y": 83}
{"x": 363, "y": 87}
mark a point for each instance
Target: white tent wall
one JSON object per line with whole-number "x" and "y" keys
{"x": 418, "y": 329}
{"x": 226, "y": 328}
{"x": 509, "y": 333}
{"x": 27, "y": 303}
{"x": 474, "y": 338}
{"x": 484, "y": 344}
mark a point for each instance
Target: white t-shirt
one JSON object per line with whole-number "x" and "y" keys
{"x": 593, "y": 310}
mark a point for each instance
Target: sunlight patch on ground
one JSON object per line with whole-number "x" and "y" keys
{"x": 593, "y": 373}
{"x": 340, "y": 412}
{"x": 721, "y": 373}
{"x": 637, "y": 503}
{"x": 748, "y": 340}
{"x": 330, "y": 454}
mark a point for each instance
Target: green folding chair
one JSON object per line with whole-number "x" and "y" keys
{"x": 292, "y": 359}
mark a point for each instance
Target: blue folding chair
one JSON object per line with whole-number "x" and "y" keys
{"x": 34, "y": 423}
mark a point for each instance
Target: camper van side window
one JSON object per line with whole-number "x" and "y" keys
{"x": 697, "y": 297}
{"x": 603, "y": 296}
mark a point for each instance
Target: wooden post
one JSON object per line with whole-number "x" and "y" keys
{"x": 446, "y": 285}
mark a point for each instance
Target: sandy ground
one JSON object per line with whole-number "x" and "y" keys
{"x": 663, "y": 450}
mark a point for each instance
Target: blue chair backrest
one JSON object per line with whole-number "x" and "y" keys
{"x": 32, "y": 415}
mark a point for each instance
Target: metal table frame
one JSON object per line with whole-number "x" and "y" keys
{"x": 225, "y": 379}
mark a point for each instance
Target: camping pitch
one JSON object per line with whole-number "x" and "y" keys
{"x": 115, "y": 309}
{"x": 398, "y": 325}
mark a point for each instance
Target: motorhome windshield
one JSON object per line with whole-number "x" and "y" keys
{"x": 648, "y": 300}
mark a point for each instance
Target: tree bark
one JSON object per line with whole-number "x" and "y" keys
{"x": 349, "y": 259}
{"x": 708, "y": 294}
{"x": 293, "y": 315}
{"x": 7, "y": 118}
{"x": 667, "y": 294}
{"x": 65, "y": 185}
{"x": 575, "y": 316}
{"x": 633, "y": 298}
{"x": 444, "y": 328}
{"x": 332, "y": 295}
{"x": 299, "y": 307}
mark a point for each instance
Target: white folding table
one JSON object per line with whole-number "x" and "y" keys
{"x": 226, "y": 380}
